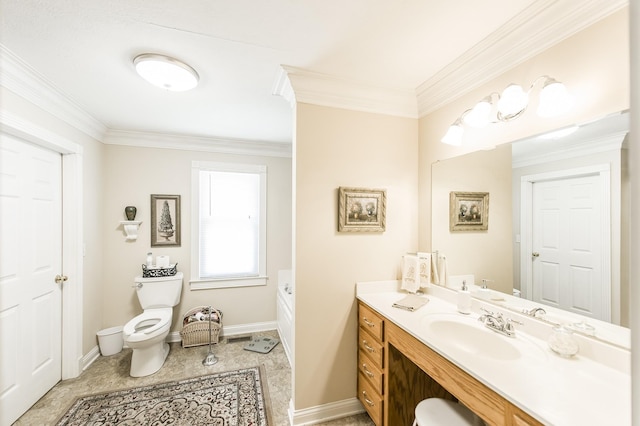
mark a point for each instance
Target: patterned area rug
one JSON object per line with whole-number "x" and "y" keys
{"x": 233, "y": 398}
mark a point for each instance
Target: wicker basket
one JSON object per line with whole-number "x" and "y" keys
{"x": 196, "y": 333}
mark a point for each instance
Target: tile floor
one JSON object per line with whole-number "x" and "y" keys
{"x": 112, "y": 373}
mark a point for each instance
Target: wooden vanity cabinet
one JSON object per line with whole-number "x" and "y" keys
{"x": 371, "y": 358}
{"x": 389, "y": 364}
{"x": 486, "y": 403}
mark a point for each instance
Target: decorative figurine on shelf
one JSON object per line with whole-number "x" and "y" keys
{"x": 130, "y": 212}
{"x": 165, "y": 228}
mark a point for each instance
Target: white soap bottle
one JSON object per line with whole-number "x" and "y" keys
{"x": 464, "y": 299}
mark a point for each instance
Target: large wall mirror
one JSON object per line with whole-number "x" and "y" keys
{"x": 556, "y": 226}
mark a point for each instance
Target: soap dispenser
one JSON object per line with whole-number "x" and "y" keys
{"x": 464, "y": 299}
{"x": 484, "y": 292}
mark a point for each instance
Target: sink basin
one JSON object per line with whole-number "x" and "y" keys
{"x": 467, "y": 335}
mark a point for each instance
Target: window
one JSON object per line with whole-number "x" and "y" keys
{"x": 228, "y": 225}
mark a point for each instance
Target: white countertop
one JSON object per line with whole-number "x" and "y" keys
{"x": 592, "y": 388}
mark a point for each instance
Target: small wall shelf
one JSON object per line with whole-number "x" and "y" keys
{"x": 131, "y": 229}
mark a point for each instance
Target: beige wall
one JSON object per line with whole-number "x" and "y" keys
{"x": 333, "y": 148}
{"x": 485, "y": 254}
{"x": 92, "y": 188}
{"x": 131, "y": 175}
{"x": 593, "y": 64}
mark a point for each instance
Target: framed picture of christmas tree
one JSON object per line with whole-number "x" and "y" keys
{"x": 165, "y": 220}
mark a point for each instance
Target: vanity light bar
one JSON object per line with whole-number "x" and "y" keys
{"x": 554, "y": 100}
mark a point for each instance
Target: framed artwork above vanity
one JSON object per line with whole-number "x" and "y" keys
{"x": 361, "y": 210}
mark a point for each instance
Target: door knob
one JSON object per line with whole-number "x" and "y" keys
{"x": 61, "y": 279}
{"x": 535, "y": 254}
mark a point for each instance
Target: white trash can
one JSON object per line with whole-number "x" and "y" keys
{"x": 110, "y": 341}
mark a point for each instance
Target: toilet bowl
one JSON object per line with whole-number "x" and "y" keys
{"x": 146, "y": 333}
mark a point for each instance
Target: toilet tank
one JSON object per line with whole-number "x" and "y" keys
{"x": 163, "y": 292}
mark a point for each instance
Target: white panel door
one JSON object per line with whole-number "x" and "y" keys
{"x": 30, "y": 259}
{"x": 567, "y": 244}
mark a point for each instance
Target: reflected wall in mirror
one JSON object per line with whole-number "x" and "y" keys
{"x": 557, "y": 229}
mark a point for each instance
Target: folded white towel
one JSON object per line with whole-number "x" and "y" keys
{"x": 410, "y": 273}
{"x": 411, "y": 302}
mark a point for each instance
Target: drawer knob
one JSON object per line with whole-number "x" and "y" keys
{"x": 366, "y": 370}
{"x": 367, "y": 347}
{"x": 369, "y": 323}
{"x": 367, "y": 400}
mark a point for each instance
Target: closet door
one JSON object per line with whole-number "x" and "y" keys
{"x": 30, "y": 261}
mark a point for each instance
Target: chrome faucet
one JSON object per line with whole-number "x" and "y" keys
{"x": 534, "y": 312}
{"x": 496, "y": 322}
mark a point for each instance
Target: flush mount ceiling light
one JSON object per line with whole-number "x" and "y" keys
{"x": 509, "y": 105}
{"x": 166, "y": 72}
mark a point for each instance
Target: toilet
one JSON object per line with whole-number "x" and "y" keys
{"x": 146, "y": 333}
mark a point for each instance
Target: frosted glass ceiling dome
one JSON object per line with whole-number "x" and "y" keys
{"x": 166, "y": 72}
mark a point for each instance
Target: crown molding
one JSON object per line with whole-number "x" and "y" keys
{"x": 282, "y": 87}
{"x": 197, "y": 143}
{"x": 579, "y": 148}
{"x": 18, "y": 126}
{"x": 543, "y": 24}
{"x": 299, "y": 85}
{"x": 20, "y": 78}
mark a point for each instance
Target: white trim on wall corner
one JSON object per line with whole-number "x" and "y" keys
{"x": 550, "y": 21}
{"x": 19, "y": 77}
{"x": 325, "y": 412}
{"x": 197, "y": 143}
{"x": 90, "y": 357}
{"x": 326, "y": 90}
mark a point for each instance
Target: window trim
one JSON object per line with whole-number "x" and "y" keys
{"x": 197, "y": 283}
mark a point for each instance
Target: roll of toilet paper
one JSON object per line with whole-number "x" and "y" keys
{"x": 162, "y": 261}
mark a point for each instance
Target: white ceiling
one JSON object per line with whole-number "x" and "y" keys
{"x": 84, "y": 48}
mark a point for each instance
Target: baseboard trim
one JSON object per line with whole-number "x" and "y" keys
{"x": 326, "y": 412}
{"x": 89, "y": 358}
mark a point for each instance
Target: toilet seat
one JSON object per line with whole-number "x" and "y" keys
{"x": 161, "y": 317}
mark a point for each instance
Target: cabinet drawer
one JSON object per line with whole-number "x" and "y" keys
{"x": 371, "y": 401}
{"x": 371, "y": 322}
{"x": 371, "y": 347}
{"x": 372, "y": 372}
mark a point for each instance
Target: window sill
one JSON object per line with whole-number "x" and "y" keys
{"x": 207, "y": 284}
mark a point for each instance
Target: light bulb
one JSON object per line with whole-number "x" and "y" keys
{"x": 554, "y": 99}
{"x": 513, "y": 101}
{"x": 454, "y": 134}
{"x": 166, "y": 72}
{"x": 478, "y": 116}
